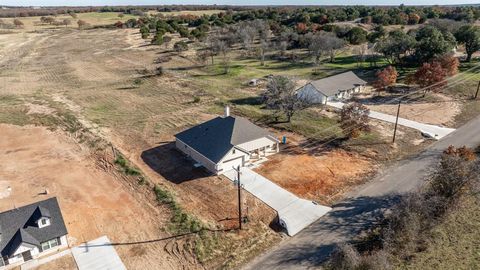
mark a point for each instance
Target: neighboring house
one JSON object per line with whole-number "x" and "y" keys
{"x": 337, "y": 87}
{"x": 31, "y": 231}
{"x": 226, "y": 142}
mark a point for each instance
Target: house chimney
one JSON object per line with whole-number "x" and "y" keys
{"x": 227, "y": 111}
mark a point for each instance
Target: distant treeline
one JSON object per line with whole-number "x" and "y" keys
{"x": 287, "y": 14}
{"x": 52, "y": 11}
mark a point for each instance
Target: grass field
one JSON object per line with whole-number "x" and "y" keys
{"x": 455, "y": 243}
{"x": 98, "y": 18}
{"x": 92, "y": 18}
{"x": 188, "y": 12}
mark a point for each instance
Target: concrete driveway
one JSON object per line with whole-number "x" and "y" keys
{"x": 294, "y": 213}
{"x": 436, "y": 132}
{"x": 98, "y": 254}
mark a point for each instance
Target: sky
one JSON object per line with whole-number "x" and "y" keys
{"x": 227, "y": 2}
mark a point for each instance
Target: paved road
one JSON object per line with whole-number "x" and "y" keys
{"x": 434, "y": 131}
{"x": 309, "y": 248}
{"x": 294, "y": 213}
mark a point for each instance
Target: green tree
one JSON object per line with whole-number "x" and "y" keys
{"x": 144, "y": 31}
{"x": 356, "y": 36}
{"x": 158, "y": 39}
{"x": 469, "y": 35}
{"x": 432, "y": 43}
{"x": 397, "y": 44}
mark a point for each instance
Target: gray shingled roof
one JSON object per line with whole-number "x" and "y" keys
{"x": 213, "y": 139}
{"x": 332, "y": 85}
{"x": 18, "y": 225}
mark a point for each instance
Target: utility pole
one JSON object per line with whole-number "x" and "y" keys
{"x": 239, "y": 190}
{"x": 396, "y": 121}
{"x": 476, "y": 93}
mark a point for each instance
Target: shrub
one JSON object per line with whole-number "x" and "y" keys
{"x": 131, "y": 171}
{"x": 163, "y": 196}
{"x": 137, "y": 81}
{"x": 180, "y": 46}
{"x": 120, "y": 160}
{"x": 159, "y": 71}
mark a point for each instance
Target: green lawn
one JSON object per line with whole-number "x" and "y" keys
{"x": 232, "y": 88}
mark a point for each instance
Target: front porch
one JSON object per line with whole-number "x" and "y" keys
{"x": 259, "y": 155}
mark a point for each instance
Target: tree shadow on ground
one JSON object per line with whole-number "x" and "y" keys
{"x": 254, "y": 101}
{"x": 170, "y": 163}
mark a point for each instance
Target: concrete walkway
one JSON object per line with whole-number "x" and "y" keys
{"x": 432, "y": 130}
{"x": 98, "y": 254}
{"x": 37, "y": 262}
{"x": 294, "y": 213}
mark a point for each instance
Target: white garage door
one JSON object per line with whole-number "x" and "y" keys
{"x": 230, "y": 164}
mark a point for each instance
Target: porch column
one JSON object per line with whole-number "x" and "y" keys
{"x": 278, "y": 148}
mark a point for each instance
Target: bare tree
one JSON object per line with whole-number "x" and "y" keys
{"x": 361, "y": 52}
{"x": 354, "y": 119}
{"x": 324, "y": 43}
{"x": 246, "y": 34}
{"x": 18, "y": 23}
{"x": 82, "y": 24}
{"x": 67, "y": 22}
{"x": 49, "y": 20}
{"x": 282, "y": 97}
{"x": 166, "y": 41}
{"x": 264, "y": 47}
{"x": 264, "y": 33}
{"x": 223, "y": 49}
{"x": 211, "y": 47}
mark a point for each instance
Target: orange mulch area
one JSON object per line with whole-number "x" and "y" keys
{"x": 319, "y": 178}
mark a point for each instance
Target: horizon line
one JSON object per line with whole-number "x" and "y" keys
{"x": 245, "y": 5}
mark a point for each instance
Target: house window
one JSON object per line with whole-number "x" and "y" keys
{"x": 43, "y": 222}
{"x": 50, "y": 244}
{"x": 233, "y": 151}
{"x": 2, "y": 263}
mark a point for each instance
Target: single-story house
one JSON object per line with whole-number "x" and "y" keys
{"x": 336, "y": 87}
{"x": 31, "y": 231}
{"x": 227, "y": 142}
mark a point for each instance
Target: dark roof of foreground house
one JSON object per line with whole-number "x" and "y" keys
{"x": 213, "y": 139}
{"x": 19, "y": 226}
{"x": 332, "y": 85}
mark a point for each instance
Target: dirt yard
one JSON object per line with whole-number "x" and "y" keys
{"x": 65, "y": 263}
{"x": 441, "y": 112}
{"x": 318, "y": 178}
{"x": 91, "y": 75}
{"x": 93, "y": 202}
